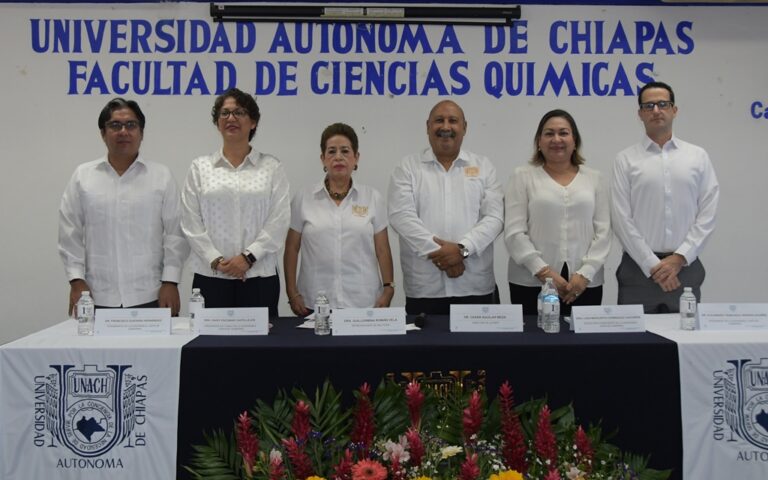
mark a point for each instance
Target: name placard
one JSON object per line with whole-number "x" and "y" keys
{"x": 233, "y": 321}
{"x": 608, "y": 319}
{"x": 486, "y": 318}
{"x": 733, "y": 316}
{"x": 132, "y": 321}
{"x": 368, "y": 321}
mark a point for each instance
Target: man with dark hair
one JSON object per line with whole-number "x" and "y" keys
{"x": 664, "y": 201}
{"x": 119, "y": 232}
{"x": 447, "y": 207}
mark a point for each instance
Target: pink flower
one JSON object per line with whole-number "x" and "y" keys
{"x": 343, "y": 469}
{"x": 415, "y": 398}
{"x": 364, "y": 427}
{"x": 276, "y": 467}
{"x": 513, "y": 447}
{"x": 473, "y": 417}
{"x": 301, "y": 464}
{"x": 300, "y": 424}
{"x": 368, "y": 470}
{"x": 553, "y": 475}
{"x": 469, "y": 469}
{"x": 416, "y": 446}
{"x": 247, "y": 442}
{"x": 396, "y": 450}
{"x": 584, "y": 447}
{"x": 545, "y": 441}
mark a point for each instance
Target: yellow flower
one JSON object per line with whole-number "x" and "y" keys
{"x": 448, "y": 452}
{"x": 507, "y": 475}
{"x": 423, "y": 478}
{"x": 315, "y": 478}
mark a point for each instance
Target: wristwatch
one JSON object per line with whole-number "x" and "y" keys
{"x": 389, "y": 284}
{"x": 250, "y": 257}
{"x": 464, "y": 250}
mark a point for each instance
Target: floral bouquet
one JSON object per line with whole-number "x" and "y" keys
{"x": 412, "y": 433}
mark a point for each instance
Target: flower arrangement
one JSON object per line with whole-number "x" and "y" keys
{"x": 412, "y": 434}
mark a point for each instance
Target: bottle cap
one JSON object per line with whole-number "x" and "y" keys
{"x": 195, "y": 290}
{"x": 86, "y": 293}
{"x": 687, "y": 289}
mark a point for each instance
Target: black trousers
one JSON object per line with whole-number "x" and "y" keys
{"x": 528, "y": 296}
{"x": 442, "y": 305}
{"x": 254, "y": 292}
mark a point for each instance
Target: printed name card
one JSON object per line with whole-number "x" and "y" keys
{"x": 132, "y": 321}
{"x": 233, "y": 321}
{"x": 486, "y": 318}
{"x": 368, "y": 321}
{"x": 733, "y": 316}
{"x": 608, "y": 319}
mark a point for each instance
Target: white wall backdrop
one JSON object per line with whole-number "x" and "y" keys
{"x": 716, "y": 61}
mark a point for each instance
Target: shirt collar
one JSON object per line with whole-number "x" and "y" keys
{"x": 649, "y": 144}
{"x": 429, "y": 156}
{"x": 218, "y": 158}
{"x": 319, "y": 189}
{"x": 139, "y": 162}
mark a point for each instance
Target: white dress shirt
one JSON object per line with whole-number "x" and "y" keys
{"x": 664, "y": 200}
{"x": 227, "y": 210}
{"x": 463, "y": 205}
{"x": 338, "y": 254}
{"x": 547, "y": 224}
{"x": 120, "y": 233}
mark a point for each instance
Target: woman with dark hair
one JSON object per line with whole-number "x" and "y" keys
{"x": 340, "y": 227}
{"x": 557, "y": 220}
{"x": 236, "y": 209}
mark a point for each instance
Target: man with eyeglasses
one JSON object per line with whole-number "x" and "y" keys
{"x": 119, "y": 231}
{"x": 664, "y": 203}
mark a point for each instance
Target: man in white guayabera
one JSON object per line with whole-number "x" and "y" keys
{"x": 119, "y": 231}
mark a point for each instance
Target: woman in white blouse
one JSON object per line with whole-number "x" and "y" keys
{"x": 557, "y": 220}
{"x": 340, "y": 227}
{"x": 236, "y": 209}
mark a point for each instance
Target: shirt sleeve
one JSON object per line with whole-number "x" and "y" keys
{"x": 175, "y": 245}
{"x": 702, "y": 228}
{"x": 623, "y": 224}
{"x": 491, "y": 221}
{"x": 402, "y": 212}
{"x": 192, "y": 219}
{"x": 271, "y": 238}
{"x": 71, "y": 230}
{"x": 519, "y": 244}
{"x": 600, "y": 245}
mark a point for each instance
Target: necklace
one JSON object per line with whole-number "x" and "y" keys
{"x": 338, "y": 196}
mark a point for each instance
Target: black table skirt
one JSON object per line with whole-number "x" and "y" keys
{"x": 629, "y": 381}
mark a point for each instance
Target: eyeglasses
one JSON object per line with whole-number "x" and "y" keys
{"x": 663, "y": 105}
{"x": 238, "y": 113}
{"x": 116, "y": 126}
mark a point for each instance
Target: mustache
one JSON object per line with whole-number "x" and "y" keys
{"x": 446, "y": 134}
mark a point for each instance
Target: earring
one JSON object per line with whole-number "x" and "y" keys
{"x": 355, "y": 167}
{"x": 325, "y": 169}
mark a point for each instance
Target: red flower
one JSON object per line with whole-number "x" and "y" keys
{"x": 368, "y": 470}
{"x": 364, "y": 427}
{"x": 301, "y": 464}
{"x": 469, "y": 469}
{"x": 473, "y": 417}
{"x": 545, "y": 441}
{"x": 416, "y": 446}
{"x": 247, "y": 442}
{"x": 397, "y": 470}
{"x": 415, "y": 399}
{"x": 300, "y": 424}
{"x": 276, "y": 468}
{"x": 513, "y": 447}
{"x": 343, "y": 470}
{"x": 584, "y": 447}
{"x": 553, "y": 475}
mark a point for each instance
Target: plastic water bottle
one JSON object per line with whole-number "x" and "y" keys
{"x": 540, "y": 300}
{"x": 550, "y": 309}
{"x": 85, "y": 314}
{"x": 322, "y": 314}
{"x": 196, "y": 307}
{"x": 687, "y": 310}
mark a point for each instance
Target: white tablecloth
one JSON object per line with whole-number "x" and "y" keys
{"x": 76, "y": 407}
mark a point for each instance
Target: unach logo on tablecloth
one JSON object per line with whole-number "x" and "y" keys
{"x": 741, "y": 401}
{"x": 89, "y": 410}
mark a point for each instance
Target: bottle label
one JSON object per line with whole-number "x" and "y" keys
{"x": 323, "y": 310}
{"x": 84, "y": 311}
